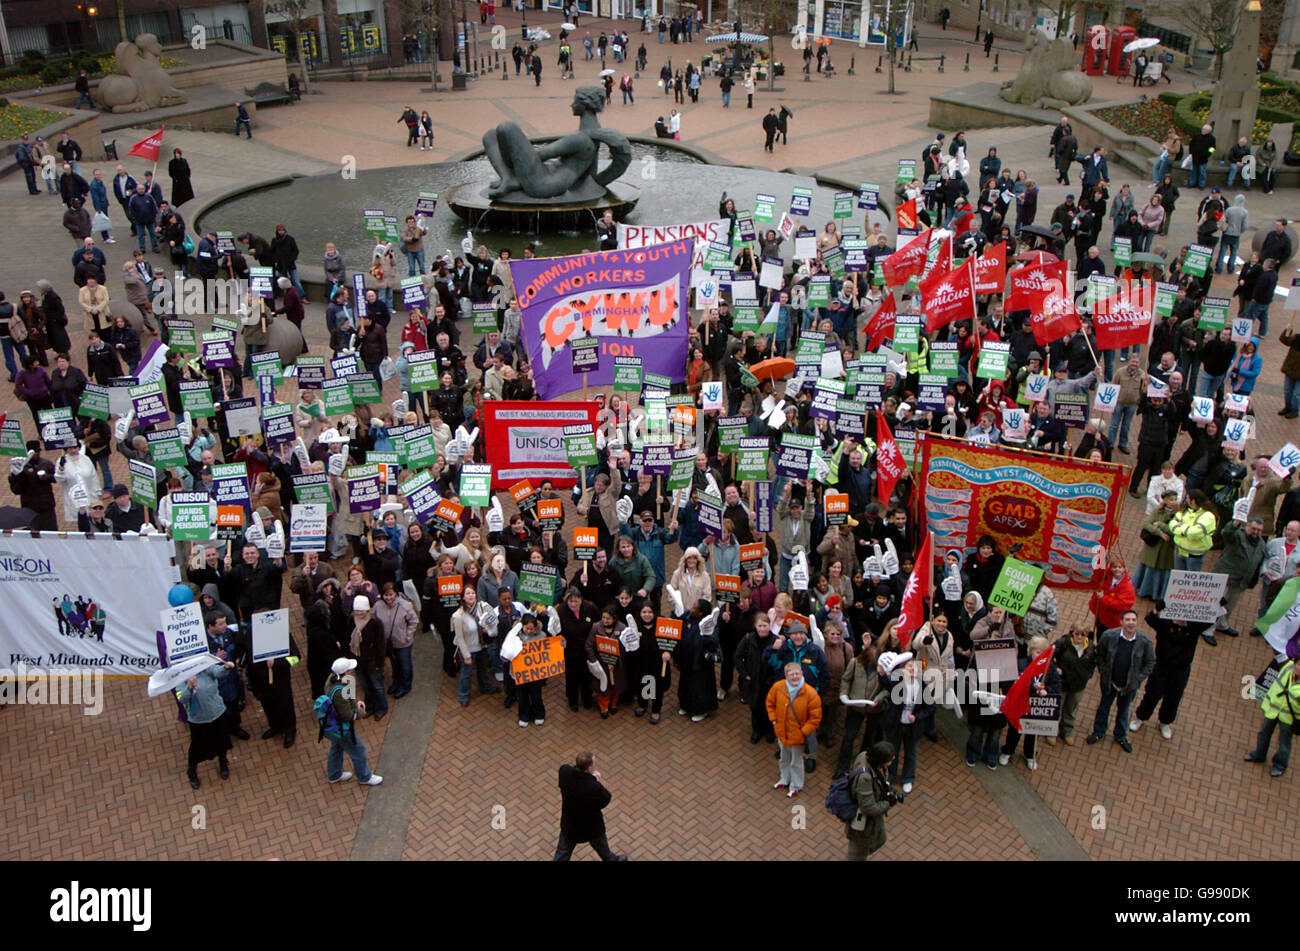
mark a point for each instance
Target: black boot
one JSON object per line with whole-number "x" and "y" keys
{"x": 223, "y": 768}
{"x": 194, "y": 778}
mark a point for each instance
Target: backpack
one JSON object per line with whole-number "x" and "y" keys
{"x": 840, "y": 801}
{"x": 331, "y": 726}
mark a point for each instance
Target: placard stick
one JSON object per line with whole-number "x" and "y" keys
{"x": 370, "y": 542}
{"x": 659, "y": 497}
{"x": 270, "y": 670}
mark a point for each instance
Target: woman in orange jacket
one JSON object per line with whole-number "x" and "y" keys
{"x": 795, "y": 710}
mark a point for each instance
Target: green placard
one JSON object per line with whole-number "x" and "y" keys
{"x": 907, "y": 333}
{"x": 993, "y": 361}
{"x": 143, "y": 480}
{"x": 229, "y": 324}
{"x": 747, "y": 379}
{"x": 843, "y": 205}
{"x": 764, "y": 208}
{"x": 267, "y": 363}
{"x": 906, "y": 170}
{"x": 485, "y": 318}
{"x": 1123, "y": 249}
{"x": 12, "y": 442}
{"x": 537, "y": 584}
{"x": 364, "y": 389}
{"x": 679, "y": 477}
{"x": 475, "y": 484}
{"x": 374, "y": 219}
{"x": 181, "y": 336}
{"x": 166, "y": 448}
{"x": 94, "y": 401}
{"x": 419, "y": 448}
{"x": 656, "y": 381}
{"x": 190, "y": 521}
{"x": 833, "y": 258}
{"x": 751, "y": 459}
{"x": 1197, "y": 261}
{"x": 1214, "y": 313}
{"x": 1016, "y": 585}
{"x": 731, "y": 429}
{"x": 336, "y": 395}
{"x": 424, "y": 371}
{"x": 580, "y": 446}
{"x": 391, "y": 234}
{"x": 196, "y": 399}
{"x": 1166, "y": 294}
{"x": 313, "y": 489}
{"x": 627, "y": 374}
{"x": 746, "y": 316}
{"x": 819, "y": 292}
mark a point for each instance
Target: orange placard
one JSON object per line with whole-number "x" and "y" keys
{"x": 550, "y": 512}
{"x": 540, "y": 659}
{"x": 449, "y": 589}
{"x": 791, "y": 618}
{"x": 668, "y": 633}
{"x": 522, "y": 493}
{"x": 447, "y": 514}
{"x": 837, "y": 507}
{"x": 585, "y": 543}
{"x": 751, "y": 556}
{"x": 727, "y": 587}
{"x": 684, "y": 415}
{"x": 607, "y": 648}
{"x": 230, "y": 516}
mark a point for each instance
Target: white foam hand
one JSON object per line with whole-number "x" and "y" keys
{"x": 148, "y": 529}
{"x": 710, "y": 624}
{"x": 600, "y": 439}
{"x": 821, "y": 471}
{"x": 123, "y": 424}
{"x": 300, "y": 450}
{"x": 496, "y": 519}
{"x": 553, "y": 625}
{"x": 16, "y": 465}
{"x": 776, "y": 418}
{"x": 399, "y": 409}
{"x": 818, "y": 638}
{"x": 631, "y": 637}
{"x": 466, "y": 436}
{"x": 952, "y": 584}
{"x": 767, "y": 404}
{"x": 713, "y": 485}
{"x": 511, "y": 645}
{"x": 623, "y": 509}
{"x": 487, "y": 615}
{"x": 890, "y": 561}
{"x": 275, "y": 544}
{"x": 799, "y": 573}
{"x": 598, "y": 672}
{"x": 454, "y": 451}
{"x": 338, "y": 462}
{"x": 186, "y": 429}
{"x": 635, "y": 430}
{"x": 679, "y": 608}
{"x": 255, "y": 534}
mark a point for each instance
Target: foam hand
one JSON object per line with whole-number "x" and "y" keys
{"x": 496, "y": 519}
{"x": 679, "y": 608}
{"x": 713, "y": 485}
{"x": 710, "y": 624}
{"x": 623, "y": 509}
{"x": 799, "y": 573}
{"x": 598, "y": 672}
{"x": 553, "y": 624}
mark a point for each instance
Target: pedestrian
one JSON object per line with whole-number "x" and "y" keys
{"x": 871, "y": 790}
{"x": 206, "y": 714}
{"x": 725, "y": 87}
{"x": 909, "y": 712}
{"x": 1193, "y": 531}
{"x": 1279, "y": 704}
{"x": 795, "y": 711}
{"x": 412, "y": 120}
{"x": 1067, "y": 147}
{"x": 1201, "y": 146}
{"x": 1125, "y": 658}
{"x": 179, "y": 171}
{"x": 1075, "y": 659}
{"x": 1047, "y": 682}
{"x": 537, "y": 69}
{"x": 583, "y": 797}
{"x": 625, "y": 86}
{"x": 749, "y": 89}
{"x": 988, "y": 43}
{"x": 1290, "y": 371}
{"x": 25, "y": 158}
{"x": 770, "y": 127}
{"x": 82, "y": 85}
{"x": 242, "y": 119}
{"x": 1244, "y": 550}
{"x": 338, "y": 710}
{"x": 33, "y": 483}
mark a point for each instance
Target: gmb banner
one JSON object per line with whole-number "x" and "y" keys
{"x": 79, "y": 601}
{"x": 633, "y": 301}
{"x": 524, "y": 439}
{"x": 1051, "y": 512}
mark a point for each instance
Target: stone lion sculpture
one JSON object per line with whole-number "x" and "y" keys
{"x": 140, "y": 82}
{"x": 1050, "y": 76}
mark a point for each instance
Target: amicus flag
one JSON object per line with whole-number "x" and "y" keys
{"x": 889, "y": 460}
{"x": 149, "y": 148}
{"x": 1121, "y": 323}
{"x": 991, "y": 270}
{"x": 942, "y": 259}
{"x": 1057, "y": 319}
{"x": 949, "y": 297}
{"x": 1016, "y": 703}
{"x": 907, "y": 261}
{"x": 881, "y": 324}
{"x": 919, "y": 583}
{"x": 1032, "y": 285}
{"x": 905, "y": 215}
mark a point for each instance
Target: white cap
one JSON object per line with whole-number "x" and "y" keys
{"x": 889, "y": 662}
{"x": 362, "y": 603}
{"x": 342, "y": 666}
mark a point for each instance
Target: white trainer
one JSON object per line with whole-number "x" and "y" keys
{"x": 1003, "y": 759}
{"x": 907, "y": 788}
{"x": 1165, "y": 731}
{"x": 342, "y": 778}
{"x": 1134, "y": 725}
{"x": 523, "y": 723}
{"x": 1031, "y": 763}
{"x": 374, "y": 780}
{"x": 539, "y": 721}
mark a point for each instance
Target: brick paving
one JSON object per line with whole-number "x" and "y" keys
{"x": 113, "y": 786}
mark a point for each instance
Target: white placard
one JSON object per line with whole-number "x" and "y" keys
{"x": 1194, "y": 596}
{"x": 1235, "y": 433}
{"x": 787, "y": 226}
{"x": 832, "y": 364}
{"x": 1241, "y": 327}
{"x": 1236, "y": 403}
{"x": 1036, "y": 387}
{"x": 1157, "y": 387}
{"x": 711, "y": 394}
{"x": 769, "y": 275}
{"x": 1107, "y": 398}
{"x": 706, "y": 293}
{"x": 805, "y": 246}
{"x": 1015, "y": 424}
{"x": 744, "y": 290}
{"x": 307, "y": 527}
{"x": 183, "y": 632}
{"x": 270, "y": 630}
{"x": 1286, "y": 459}
{"x": 1202, "y": 409}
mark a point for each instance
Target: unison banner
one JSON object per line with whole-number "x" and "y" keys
{"x": 700, "y": 233}
{"x": 84, "y": 601}
{"x": 634, "y": 301}
{"x": 524, "y": 439}
{"x": 1053, "y": 511}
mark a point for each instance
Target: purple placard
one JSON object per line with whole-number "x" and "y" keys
{"x": 794, "y": 461}
{"x": 641, "y": 294}
{"x": 423, "y": 501}
{"x": 150, "y": 407}
{"x": 763, "y": 507}
{"x": 658, "y": 460}
{"x": 364, "y": 493}
{"x": 265, "y": 389}
{"x": 359, "y": 294}
{"x": 218, "y": 353}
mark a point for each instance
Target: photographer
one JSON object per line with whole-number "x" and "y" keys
{"x": 866, "y": 831}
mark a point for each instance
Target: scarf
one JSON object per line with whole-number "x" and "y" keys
{"x": 793, "y": 689}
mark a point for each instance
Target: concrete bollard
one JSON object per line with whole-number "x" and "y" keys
{"x": 942, "y": 56}
{"x": 995, "y": 61}
{"x": 966, "y": 68}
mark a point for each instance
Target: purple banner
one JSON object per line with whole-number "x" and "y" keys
{"x": 763, "y": 507}
{"x": 633, "y": 300}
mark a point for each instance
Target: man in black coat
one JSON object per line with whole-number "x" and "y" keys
{"x": 32, "y": 480}
{"x": 582, "y": 799}
{"x": 770, "y": 126}
{"x": 1175, "y": 651}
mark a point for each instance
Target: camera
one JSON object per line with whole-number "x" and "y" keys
{"x": 893, "y": 797}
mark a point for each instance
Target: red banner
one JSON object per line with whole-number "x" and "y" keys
{"x": 919, "y": 585}
{"x": 880, "y": 325}
{"x": 1047, "y": 510}
{"x": 149, "y": 148}
{"x": 1032, "y": 285}
{"x": 889, "y": 460}
{"x": 907, "y": 260}
{"x": 991, "y": 270}
{"x": 1121, "y": 323}
{"x": 525, "y": 439}
{"x": 949, "y": 297}
{"x": 1057, "y": 319}
{"x": 906, "y": 216}
{"x": 942, "y": 262}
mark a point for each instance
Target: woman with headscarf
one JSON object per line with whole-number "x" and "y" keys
{"x": 179, "y": 171}
{"x": 649, "y": 661}
{"x": 984, "y": 565}
{"x": 205, "y": 712}
{"x": 607, "y": 660}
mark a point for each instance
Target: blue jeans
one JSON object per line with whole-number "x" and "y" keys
{"x": 1162, "y": 166}
{"x": 1150, "y": 582}
{"x": 29, "y": 173}
{"x": 904, "y": 738}
{"x": 1233, "y": 171}
{"x": 1188, "y": 562}
{"x": 10, "y": 346}
{"x": 140, "y": 233}
{"x": 356, "y": 751}
{"x": 402, "y": 669}
{"x": 1283, "y": 755}
{"x": 1290, "y": 394}
{"x": 1119, "y": 423}
{"x": 292, "y": 275}
{"x": 479, "y": 665}
{"x": 414, "y": 262}
{"x": 247, "y": 125}
{"x": 1230, "y": 257}
{"x": 1108, "y": 696}
{"x": 983, "y": 742}
{"x": 1210, "y": 384}
{"x": 726, "y": 99}
{"x": 104, "y": 470}
{"x": 627, "y": 97}
{"x": 1196, "y": 177}
{"x": 372, "y": 675}
{"x": 1258, "y": 311}
{"x": 1144, "y": 239}
{"x": 84, "y": 96}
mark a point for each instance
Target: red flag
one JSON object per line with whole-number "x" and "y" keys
{"x": 991, "y": 270}
{"x": 1032, "y": 285}
{"x": 881, "y": 324}
{"x": 1016, "y": 703}
{"x": 965, "y": 222}
{"x": 942, "y": 262}
{"x": 949, "y": 297}
{"x": 149, "y": 148}
{"x": 906, "y": 216}
{"x": 889, "y": 460}
{"x": 907, "y": 260}
{"x": 919, "y": 584}
{"x": 1057, "y": 319}
{"x": 1121, "y": 323}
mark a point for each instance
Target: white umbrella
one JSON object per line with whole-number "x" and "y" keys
{"x": 1142, "y": 43}
{"x": 568, "y": 26}
{"x": 608, "y": 72}
{"x": 734, "y": 38}
{"x": 168, "y": 679}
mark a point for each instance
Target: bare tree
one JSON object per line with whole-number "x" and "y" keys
{"x": 1213, "y": 21}
{"x": 296, "y": 9}
{"x": 894, "y": 20}
{"x": 427, "y": 17}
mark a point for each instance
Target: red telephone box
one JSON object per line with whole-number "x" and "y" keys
{"x": 1094, "y": 50}
{"x": 1121, "y": 62}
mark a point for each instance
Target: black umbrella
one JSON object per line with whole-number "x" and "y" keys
{"x": 1039, "y": 231}
{"x": 11, "y": 516}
